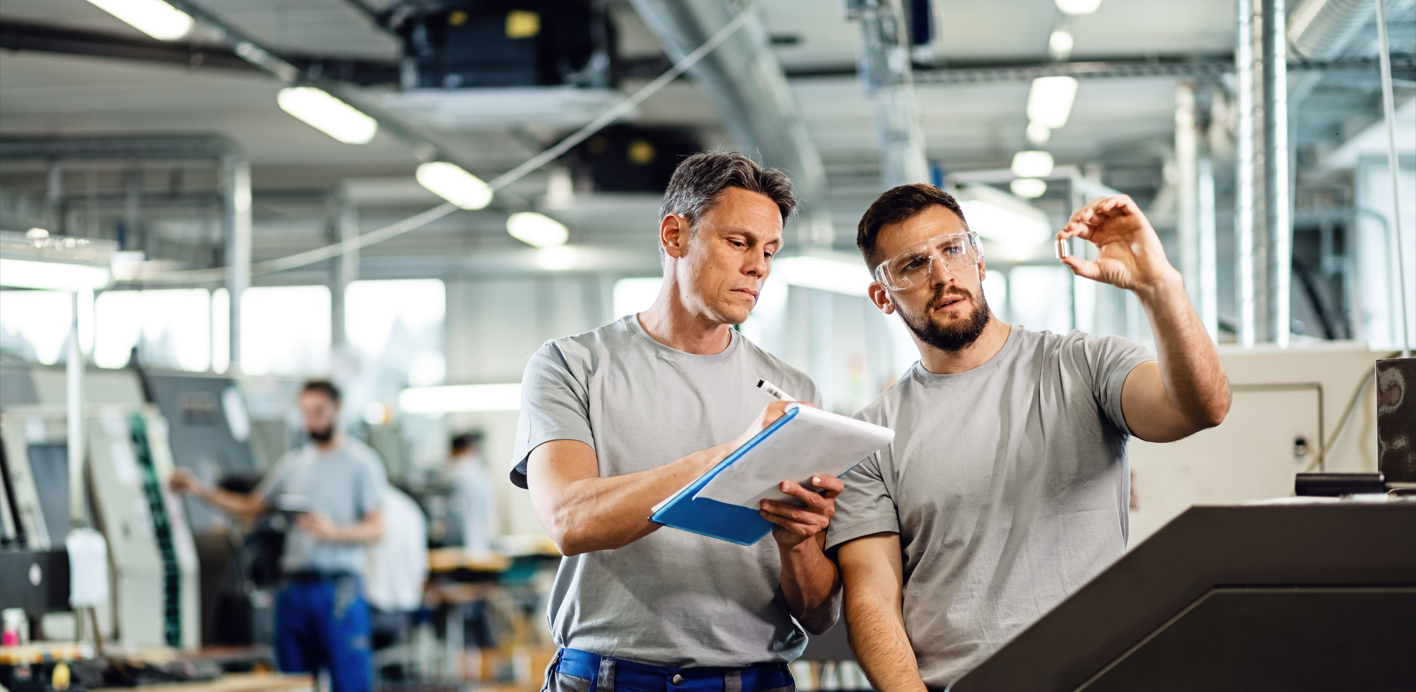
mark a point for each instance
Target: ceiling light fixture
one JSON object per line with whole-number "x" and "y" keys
{"x": 1060, "y": 44}
{"x": 1076, "y": 7}
{"x": 450, "y": 182}
{"x": 152, "y": 17}
{"x": 1032, "y": 164}
{"x": 1038, "y": 134}
{"x": 1028, "y": 188}
{"x": 1050, "y": 100}
{"x": 53, "y": 276}
{"x": 328, "y": 114}
{"x": 460, "y": 398}
{"x": 537, "y": 229}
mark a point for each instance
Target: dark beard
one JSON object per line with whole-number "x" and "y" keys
{"x": 321, "y": 436}
{"x": 955, "y": 338}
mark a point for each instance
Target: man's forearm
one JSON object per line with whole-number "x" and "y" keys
{"x": 241, "y": 504}
{"x": 1190, "y": 367}
{"x": 880, "y": 644}
{"x": 367, "y": 531}
{"x": 811, "y": 585}
{"x": 602, "y": 513}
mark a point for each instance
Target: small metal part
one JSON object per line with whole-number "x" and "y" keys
{"x": 1063, "y": 250}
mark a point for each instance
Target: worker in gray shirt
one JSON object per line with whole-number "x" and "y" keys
{"x": 616, "y": 420}
{"x": 1006, "y": 486}
{"x": 335, "y": 487}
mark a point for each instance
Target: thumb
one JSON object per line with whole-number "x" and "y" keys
{"x": 1086, "y": 269}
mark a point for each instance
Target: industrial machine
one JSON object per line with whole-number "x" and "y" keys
{"x": 1313, "y": 594}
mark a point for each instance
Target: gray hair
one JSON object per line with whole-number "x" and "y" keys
{"x": 700, "y": 179}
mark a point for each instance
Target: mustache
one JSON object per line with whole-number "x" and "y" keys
{"x": 942, "y": 292}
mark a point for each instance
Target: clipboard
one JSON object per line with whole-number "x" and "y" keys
{"x": 723, "y": 503}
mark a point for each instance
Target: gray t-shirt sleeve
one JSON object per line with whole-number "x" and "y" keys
{"x": 554, "y": 405}
{"x": 368, "y": 487}
{"x": 1111, "y": 359}
{"x": 864, "y": 507}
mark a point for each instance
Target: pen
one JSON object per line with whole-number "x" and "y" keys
{"x": 774, "y": 390}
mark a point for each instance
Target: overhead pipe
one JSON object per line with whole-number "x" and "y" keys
{"x": 886, "y": 75}
{"x": 236, "y": 189}
{"x": 749, "y": 91}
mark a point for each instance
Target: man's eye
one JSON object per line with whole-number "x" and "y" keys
{"x": 915, "y": 263}
{"x": 738, "y": 243}
{"x": 953, "y": 250}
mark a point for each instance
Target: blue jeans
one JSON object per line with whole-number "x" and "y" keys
{"x": 581, "y": 671}
{"x": 324, "y": 623}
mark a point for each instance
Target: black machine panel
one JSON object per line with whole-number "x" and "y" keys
{"x": 506, "y": 43}
{"x": 49, "y": 466}
{"x": 1290, "y": 597}
{"x": 200, "y": 435}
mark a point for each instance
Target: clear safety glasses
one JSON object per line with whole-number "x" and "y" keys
{"x": 956, "y": 251}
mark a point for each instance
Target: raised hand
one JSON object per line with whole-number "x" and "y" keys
{"x": 1130, "y": 253}
{"x": 796, "y": 524}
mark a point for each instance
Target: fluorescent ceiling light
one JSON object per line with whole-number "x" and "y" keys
{"x": 1032, "y": 164}
{"x": 461, "y": 397}
{"x": 536, "y": 229}
{"x": 328, "y": 114}
{"x": 1028, "y": 188}
{"x": 1038, "y": 134}
{"x": 152, "y": 17}
{"x": 1078, "y": 6}
{"x": 1050, "y": 100}
{"x": 1017, "y": 228}
{"x": 54, "y": 276}
{"x": 1060, "y": 42}
{"x": 836, "y": 275}
{"x": 455, "y": 185}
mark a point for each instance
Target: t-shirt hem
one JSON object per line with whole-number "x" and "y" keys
{"x": 1118, "y": 384}
{"x": 835, "y": 537}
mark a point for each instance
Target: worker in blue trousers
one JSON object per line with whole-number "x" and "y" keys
{"x": 334, "y": 486}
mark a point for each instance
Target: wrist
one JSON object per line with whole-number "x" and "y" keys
{"x": 801, "y": 547}
{"x": 1167, "y": 286}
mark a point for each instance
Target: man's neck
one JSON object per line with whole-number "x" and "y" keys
{"x": 988, "y": 344}
{"x": 669, "y": 322}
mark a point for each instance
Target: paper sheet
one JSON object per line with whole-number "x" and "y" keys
{"x": 815, "y": 443}
{"x": 88, "y": 568}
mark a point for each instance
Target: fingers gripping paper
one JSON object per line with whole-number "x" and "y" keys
{"x": 812, "y": 443}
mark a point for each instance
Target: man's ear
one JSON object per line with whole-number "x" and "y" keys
{"x": 881, "y": 298}
{"x": 673, "y": 235}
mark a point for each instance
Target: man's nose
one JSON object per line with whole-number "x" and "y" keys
{"x": 939, "y": 270}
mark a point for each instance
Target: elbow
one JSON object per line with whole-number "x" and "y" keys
{"x": 566, "y": 536}
{"x": 816, "y": 626}
{"x": 1217, "y": 410}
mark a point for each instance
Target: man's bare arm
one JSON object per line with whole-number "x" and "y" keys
{"x": 1186, "y": 391}
{"x": 873, "y": 574}
{"x": 243, "y": 505}
{"x": 583, "y": 512}
{"x": 810, "y": 582}
{"x": 367, "y": 530}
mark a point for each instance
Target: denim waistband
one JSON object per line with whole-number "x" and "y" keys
{"x": 646, "y": 678}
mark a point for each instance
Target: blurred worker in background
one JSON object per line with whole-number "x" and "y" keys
{"x": 1005, "y": 488}
{"x": 474, "y": 504}
{"x": 619, "y": 418}
{"x": 335, "y": 487}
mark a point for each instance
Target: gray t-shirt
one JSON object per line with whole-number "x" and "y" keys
{"x": 345, "y": 484}
{"x": 672, "y": 598}
{"x": 1008, "y": 485}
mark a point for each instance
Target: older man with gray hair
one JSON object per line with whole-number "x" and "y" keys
{"x": 616, "y": 420}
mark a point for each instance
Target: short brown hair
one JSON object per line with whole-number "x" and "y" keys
{"x": 896, "y": 205}
{"x": 700, "y": 179}
{"x": 324, "y": 387}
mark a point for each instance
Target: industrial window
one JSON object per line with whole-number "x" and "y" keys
{"x": 35, "y": 324}
{"x": 398, "y": 326}
{"x": 285, "y": 330}
{"x": 171, "y": 328}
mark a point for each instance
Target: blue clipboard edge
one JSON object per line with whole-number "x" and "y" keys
{"x": 702, "y": 480}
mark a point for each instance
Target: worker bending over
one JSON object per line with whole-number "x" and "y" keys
{"x": 616, "y": 420}
{"x": 335, "y": 484}
{"x": 1006, "y": 486}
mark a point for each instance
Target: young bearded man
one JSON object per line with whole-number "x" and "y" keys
{"x": 1006, "y": 486}
{"x": 616, "y": 420}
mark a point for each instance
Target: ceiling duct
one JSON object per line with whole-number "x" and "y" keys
{"x": 746, "y": 85}
{"x": 1322, "y": 29}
